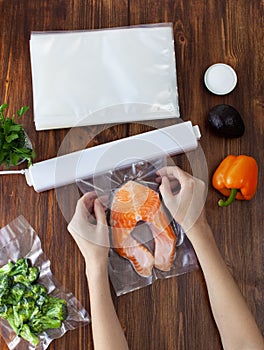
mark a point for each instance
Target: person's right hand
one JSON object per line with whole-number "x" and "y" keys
{"x": 89, "y": 229}
{"x": 187, "y": 203}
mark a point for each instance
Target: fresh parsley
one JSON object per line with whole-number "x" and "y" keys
{"x": 13, "y": 147}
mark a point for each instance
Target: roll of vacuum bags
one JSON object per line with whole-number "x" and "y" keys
{"x": 68, "y": 168}
{"x": 103, "y": 76}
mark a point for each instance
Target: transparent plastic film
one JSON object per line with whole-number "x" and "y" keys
{"x": 19, "y": 240}
{"x": 154, "y": 246}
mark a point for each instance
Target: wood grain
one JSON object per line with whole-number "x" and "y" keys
{"x": 174, "y": 313}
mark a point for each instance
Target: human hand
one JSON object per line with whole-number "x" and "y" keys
{"x": 184, "y": 196}
{"x": 89, "y": 229}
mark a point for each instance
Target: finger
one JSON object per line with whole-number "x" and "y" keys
{"x": 80, "y": 207}
{"x": 88, "y": 201}
{"x": 158, "y": 179}
{"x": 169, "y": 171}
{"x": 85, "y": 209}
{"x": 99, "y": 212}
{"x": 175, "y": 186}
{"x": 104, "y": 200}
{"x": 174, "y": 183}
{"x": 70, "y": 229}
{"x": 170, "y": 177}
{"x": 174, "y": 171}
{"x": 165, "y": 188}
{"x": 165, "y": 171}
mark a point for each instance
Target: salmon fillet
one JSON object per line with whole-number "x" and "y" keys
{"x": 134, "y": 202}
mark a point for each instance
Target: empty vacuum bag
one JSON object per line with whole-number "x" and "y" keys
{"x": 103, "y": 76}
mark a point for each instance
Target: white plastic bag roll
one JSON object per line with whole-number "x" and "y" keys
{"x": 66, "y": 169}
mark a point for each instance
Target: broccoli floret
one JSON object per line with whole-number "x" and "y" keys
{"x": 55, "y": 308}
{"x": 5, "y": 281}
{"x": 3, "y": 311}
{"x": 28, "y": 307}
{"x": 12, "y": 269}
{"x": 38, "y": 292}
{"x": 22, "y": 313}
{"x": 38, "y": 289}
{"x": 22, "y": 279}
{"x": 20, "y": 267}
{"x": 53, "y": 301}
{"x": 12, "y": 323}
{"x": 6, "y": 311}
{"x": 17, "y": 318}
{"x": 5, "y": 270}
{"x": 28, "y": 335}
{"x": 33, "y": 273}
{"x": 5, "y": 285}
{"x": 53, "y": 311}
{"x": 40, "y": 324}
{"x": 16, "y": 293}
{"x": 31, "y": 276}
{"x": 41, "y": 300}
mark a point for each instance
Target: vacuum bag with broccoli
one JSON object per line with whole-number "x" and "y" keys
{"x": 34, "y": 310}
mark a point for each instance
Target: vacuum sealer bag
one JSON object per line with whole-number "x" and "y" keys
{"x": 103, "y": 76}
{"x": 123, "y": 275}
{"x": 19, "y": 240}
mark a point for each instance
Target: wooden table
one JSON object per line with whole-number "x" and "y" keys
{"x": 173, "y": 313}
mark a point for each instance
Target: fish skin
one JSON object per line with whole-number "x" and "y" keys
{"x": 134, "y": 202}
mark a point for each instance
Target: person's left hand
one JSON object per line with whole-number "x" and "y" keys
{"x": 89, "y": 229}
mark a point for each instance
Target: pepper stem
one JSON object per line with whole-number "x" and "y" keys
{"x": 229, "y": 200}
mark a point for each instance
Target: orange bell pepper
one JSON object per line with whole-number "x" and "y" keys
{"x": 236, "y": 178}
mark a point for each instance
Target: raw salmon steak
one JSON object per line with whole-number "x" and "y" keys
{"x": 132, "y": 203}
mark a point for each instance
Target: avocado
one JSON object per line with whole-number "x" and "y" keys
{"x": 225, "y": 121}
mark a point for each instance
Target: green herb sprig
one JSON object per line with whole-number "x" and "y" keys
{"x": 13, "y": 146}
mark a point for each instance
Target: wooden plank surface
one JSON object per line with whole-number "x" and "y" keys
{"x": 173, "y": 313}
